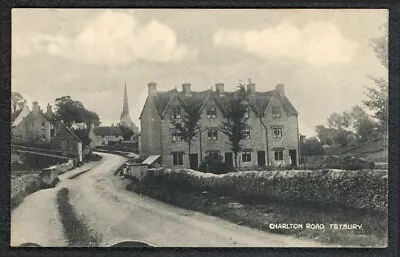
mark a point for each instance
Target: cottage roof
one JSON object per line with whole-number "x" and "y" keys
{"x": 107, "y": 131}
{"x": 72, "y": 134}
{"x": 15, "y": 115}
{"x": 259, "y": 100}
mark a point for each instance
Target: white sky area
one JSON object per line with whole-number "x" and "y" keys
{"x": 322, "y": 56}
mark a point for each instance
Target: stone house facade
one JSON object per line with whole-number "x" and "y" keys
{"x": 36, "y": 127}
{"x": 68, "y": 142}
{"x": 106, "y": 135}
{"x": 271, "y": 139}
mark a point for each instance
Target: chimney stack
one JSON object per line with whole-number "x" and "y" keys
{"x": 152, "y": 88}
{"x": 280, "y": 88}
{"x": 186, "y": 88}
{"x": 219, "y": 87}
{"x": 35, "y": 107}
{"x": 49, "y": 109}
{"x": 251, "y": 87}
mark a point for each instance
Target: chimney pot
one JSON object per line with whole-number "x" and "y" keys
{"x": 280, "y": 88}
{"x": 152, "y": 88}
{"x": 219, "y": 87}
{"x": 35, "y": 107}
{"x": 186, "y": 88}
{"x": 49, "y": 108}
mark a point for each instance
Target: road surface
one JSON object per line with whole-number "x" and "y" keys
{"x": 114, "y": 214}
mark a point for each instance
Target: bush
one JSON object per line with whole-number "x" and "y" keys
{"x": 213, "y": 164}
{"x": 365, "y": 189}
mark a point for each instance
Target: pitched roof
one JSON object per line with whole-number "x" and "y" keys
{"x": 50, "y": 116}
{"x": 195, "y": 97}
{"x": 259, "y": 100}
{"x": 72, "y": 134}
{"x": 162, "y": 100}
{"x": 15, "y": 115}
{"x": 107, "y": 131}
{"x": 289, "y": 105}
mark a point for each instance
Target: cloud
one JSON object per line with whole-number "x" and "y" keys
{"x": 112, "y": 38}
{"x": 319, "y": 43}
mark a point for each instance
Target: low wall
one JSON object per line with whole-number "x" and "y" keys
{"x": 137, "y": 171}
{"x": 24, "y": 185}
{"x": 49, "y": 176}
{"x": 366, "y": 189}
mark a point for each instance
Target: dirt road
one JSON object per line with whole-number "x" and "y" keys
{"x": 114, "y": 214}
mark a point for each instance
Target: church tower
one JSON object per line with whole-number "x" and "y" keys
{"x": 125, "y": 119}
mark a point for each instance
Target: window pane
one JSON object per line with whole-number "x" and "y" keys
{"x": 180, "y": 158}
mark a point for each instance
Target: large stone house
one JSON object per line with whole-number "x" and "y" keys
{"x": 271, "y": 139}
{"x": 34, "y": 127}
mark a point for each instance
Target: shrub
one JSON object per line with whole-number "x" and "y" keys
{"x": 365, "y": 189}
{"x": 213, "y": 164}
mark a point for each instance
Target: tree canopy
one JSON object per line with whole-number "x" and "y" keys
{"x": 234, "y": 110}
{"x": 17, "y": 101}
{"x": 188, "y": 124}
{"x": 377, "y": 95}
{"x": 69, "y": 111}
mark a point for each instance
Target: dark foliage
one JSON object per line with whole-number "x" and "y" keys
{"x": 127, "y": 133}
{"x": 213, "y": 164}
{"x": 76, "y": 232}
{"x": 234, "y": 110}
{"x": 188, "y": 124}
{"x": 69, "y": 111}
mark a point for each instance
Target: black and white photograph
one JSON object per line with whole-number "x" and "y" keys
{"x": 199, "y": 128}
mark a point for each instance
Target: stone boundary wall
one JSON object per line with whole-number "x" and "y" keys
{"x": 364, "y": 189}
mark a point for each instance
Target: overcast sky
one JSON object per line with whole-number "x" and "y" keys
{"x": 322, "y": 56}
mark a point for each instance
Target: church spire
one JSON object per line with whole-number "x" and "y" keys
{"x": 125, "y": 109}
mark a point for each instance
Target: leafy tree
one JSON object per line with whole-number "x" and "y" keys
{"x": 337, "y": 121}
{"x": 234, "y": 110}
{"x": 324, "y": 134}
{"x": 363, "y": 124}
{"x": 213, "y": 164}
{"x": 311, "y": 146}
{"x": 188, "y": 125}
{"x": 17, "y": 101}
{"x": 378, "y": 95}
{"x": 69, "y": 111}
{"x": 127, "y": 133}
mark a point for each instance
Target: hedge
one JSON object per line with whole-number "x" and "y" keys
{"x": 366, "y": 189}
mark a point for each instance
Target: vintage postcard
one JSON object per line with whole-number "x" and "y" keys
{"x": 199, "y": 128}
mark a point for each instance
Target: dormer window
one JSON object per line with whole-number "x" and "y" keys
{"x": 211, "y": 113}
{"x": 276, "y": 112}
{"x": 176, "y": 113}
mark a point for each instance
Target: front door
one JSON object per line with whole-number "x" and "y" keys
{"x": 194, "y": 161}
{"x": 293, "y": 157}
{"x": 229, "y": 160}
{"x": 261, "y": 158}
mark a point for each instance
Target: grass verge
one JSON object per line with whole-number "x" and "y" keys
{"x": 76, "y": 232}
{"x": 78, "y": 174}
{"x": 260, "y": 214}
